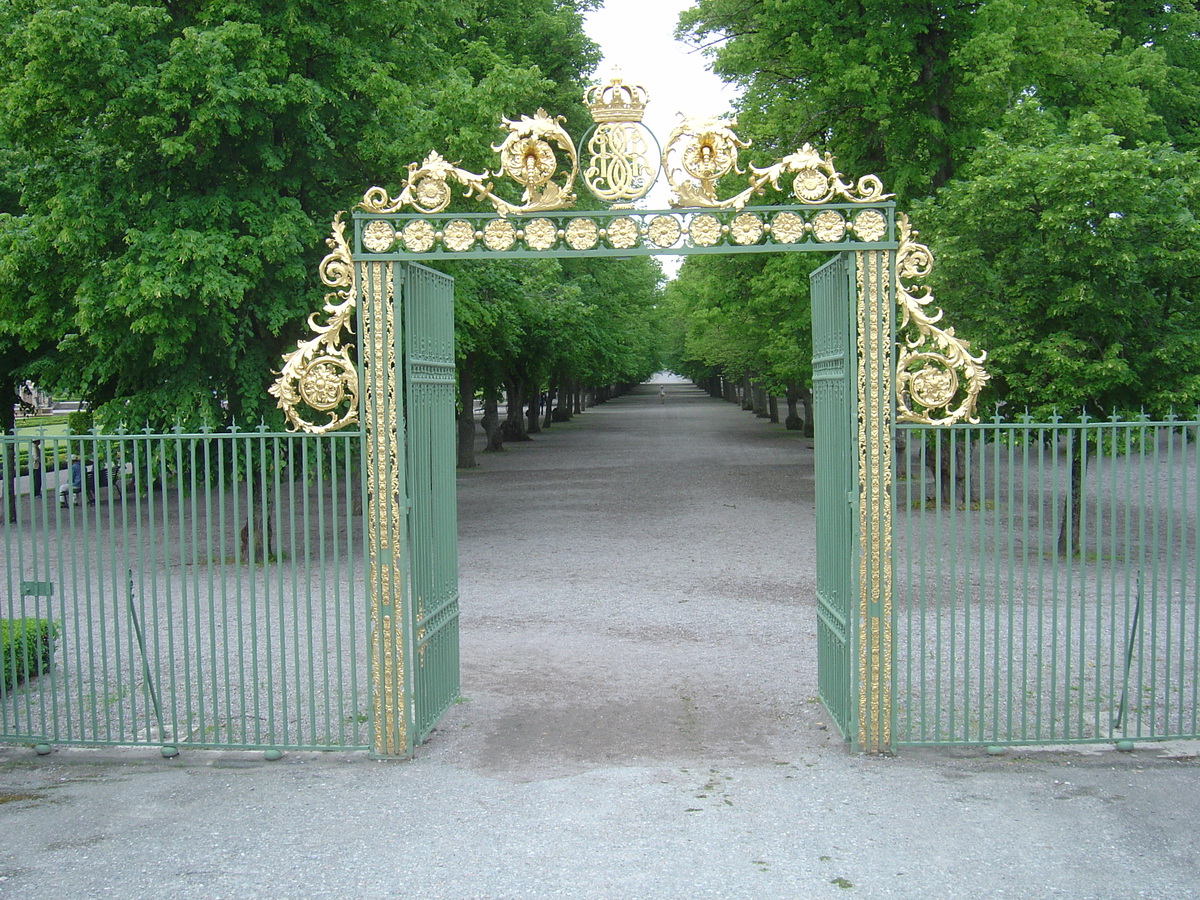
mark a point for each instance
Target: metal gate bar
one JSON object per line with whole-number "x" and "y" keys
{"x": 834, "y": 376}
{"x": 206, "y": 588}
{"x": 1037, "y": 606}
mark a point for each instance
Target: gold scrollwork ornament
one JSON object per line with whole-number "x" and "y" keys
{"x": 704, "y": 230}
{"x": 816, "y": 181}
{"x": 746, "y": 228}
{"x": 320, "y": 374}
{"x": 620, "y": 168}
{"x": 706, "y": 149}
{"x": 787, "y": 228}
{"x": 828, "y": 226}
{"x": 664, "y": 231}
{"x": 870, "y": 225}
{"x": 379, "y": 236}
{"x": 623, "y": 233}
{"x": 938, "y": 377}
{"x": 582, "y": 234}
{"x": 528, "y": 156}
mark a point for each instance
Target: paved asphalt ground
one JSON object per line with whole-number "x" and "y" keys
{"x": 638, "y": 721}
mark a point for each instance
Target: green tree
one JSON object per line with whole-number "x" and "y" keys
{"x": 528, "y": 328}
{"x": 1049, "y": 143}
{"x": 905, "y": 91}
{"x": 170, "y": 169}
{"x": 747, "y": 318}
{"x": 1076, "y": 263}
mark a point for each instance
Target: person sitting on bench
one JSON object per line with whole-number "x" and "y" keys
{"x": 73, "y": 485}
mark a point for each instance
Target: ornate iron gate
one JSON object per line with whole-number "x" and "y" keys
{"x": 931, "y": 378}
{"x": 432, "y": 602}
{"x": 398, "y": 389}
{"x": 835, "y": 410}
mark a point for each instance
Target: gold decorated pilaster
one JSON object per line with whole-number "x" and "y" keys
{"x": 875, "y": 391}
{"x": 384, "y": 464}
{"x": 319, "y": 375}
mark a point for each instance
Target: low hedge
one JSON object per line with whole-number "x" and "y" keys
{"x": 26, "y": 648}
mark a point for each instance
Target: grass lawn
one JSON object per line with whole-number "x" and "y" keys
{"x": 51, "y": 426}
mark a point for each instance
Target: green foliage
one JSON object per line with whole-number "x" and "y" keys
{"x": 26, "y": 648}
{"x": 168, "y": 172}
{"x": 744, "y": 315}
{"x": 80, "y": 422}
{"x": 586, "y": 320}
{"x": 1076, "y": 263}
{"x": 907, "y": 92}
{"x": 1047, "y": 151}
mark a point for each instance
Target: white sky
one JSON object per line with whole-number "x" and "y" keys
{"x": 636, "y": 36}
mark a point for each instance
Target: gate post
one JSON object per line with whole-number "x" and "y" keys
{"x": 386, "y": 508}
{"x": 875, "y": 277}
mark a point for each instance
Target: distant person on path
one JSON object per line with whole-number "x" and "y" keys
{"x": 662, "y": 394}
{"x": 35, "y": 467}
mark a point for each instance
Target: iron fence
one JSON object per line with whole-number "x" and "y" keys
{"x": 1047, "y": 583}
{"x": 208, "y": 589}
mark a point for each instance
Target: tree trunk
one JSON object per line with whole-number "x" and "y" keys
{"x": 792, "y": 422}
{"x": 773, "y": 409}
{"x": 257, "y": 544}
{"x": 466, "y": 415}
{"x": 806, "y": 401}
{"x": 746, "y": 394}
{"x": 491, "y": 423}
{"x": 513, "y": 427}
{"x": 949, "y": 460}
{"x": 533, "y": 424}
{"x": 1069, "y": 543}
{"x": 548, "y": 415}
{"x": 566, "y": 395}
{"x": 758, "y": 399}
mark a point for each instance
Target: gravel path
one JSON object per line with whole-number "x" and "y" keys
{"x": 638, "y": 585}
{"x": 638, "y": 722}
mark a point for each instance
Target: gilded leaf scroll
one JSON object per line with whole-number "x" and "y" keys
{"x": 319, "y": 375}
{"x": 530, "y": 156}
{"x": 938, "y": 378}
{"x": 707, "y": 149}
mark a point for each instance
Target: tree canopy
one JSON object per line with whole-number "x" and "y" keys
{"x": 1048, "y": 152}
{"x": 168, "y": 172}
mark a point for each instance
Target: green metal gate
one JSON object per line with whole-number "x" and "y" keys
{"x": 396, "y": 469}
{"x": 834, "y": 401}
{"x": 432, "y": 602}
{"x": 407, "y": 323}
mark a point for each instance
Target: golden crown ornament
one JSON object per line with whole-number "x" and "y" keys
{"x": 616, "y": 101}
{"x": 622, "y": 162}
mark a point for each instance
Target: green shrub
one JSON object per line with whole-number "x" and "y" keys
{"x": 26, "y": 648}
{"x": 79, "y": 422}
